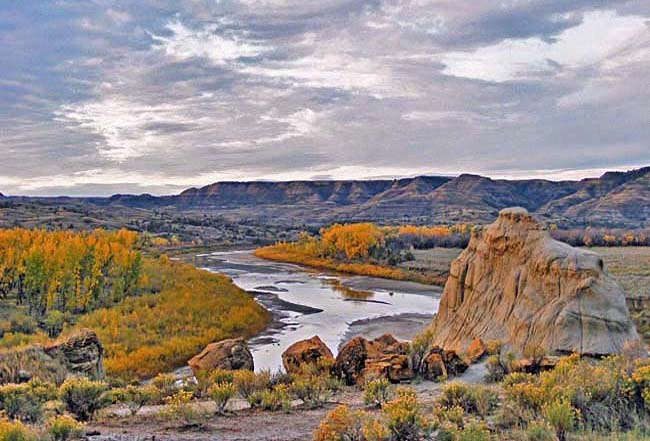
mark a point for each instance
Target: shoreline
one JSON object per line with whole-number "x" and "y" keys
{"x": 401, "y": 326}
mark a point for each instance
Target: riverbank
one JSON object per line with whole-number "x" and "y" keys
{"x": 281, "y": 254}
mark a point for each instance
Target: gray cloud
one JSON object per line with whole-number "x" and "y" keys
{"x": 160, "y": 95}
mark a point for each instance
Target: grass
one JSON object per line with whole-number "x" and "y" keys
{"x": 158, "y": 332}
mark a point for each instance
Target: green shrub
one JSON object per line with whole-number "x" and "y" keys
{"x": 25, "y": 401}
{"x": 561, "y": 416}
{"x": 135, "y": 397}
{"x": 206, "y": 378}
{"x": 473, "y": 432}
{"x": 449, "y": 416}
{"x": 537, "y": 431}
{"x": 63, "y": 428}
{"x": 248, "y": 383}
{"x": 166, "y": 385}
{"x": 458, "y": 394}
{"x": 496, "y": 370}
{"x": 54, "y": 321}
{"x": 221, "y": 393}
{"x": 377, "y": 392}
{"x": 420, "y": 346}
{"x": 15, "y": 431}
{"x": 180, "y": 406}
{"x": 277, "y": 398}
{"x": 313, "y": 391}
{"x": 404, "y": 418}
{"x": 83, "y": 397}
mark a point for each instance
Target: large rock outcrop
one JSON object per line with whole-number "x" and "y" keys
{"x": 80, "y": 353}
{"x": 514, "y": 283}
{"x": 230, "y": 354}
{"x": 304, "y": 352}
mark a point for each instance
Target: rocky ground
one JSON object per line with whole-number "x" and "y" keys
{"x": 242, "y": 423}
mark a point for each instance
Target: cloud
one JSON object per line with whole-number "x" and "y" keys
{"x": 158, "y": 95}
{"x": 186, "y": 43}
{"x": 574, "y": 48}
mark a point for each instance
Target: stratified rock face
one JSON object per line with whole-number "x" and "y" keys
{"x": 231, "y": 354}
{"x": 362, "y": 360}
{"x": 304, "y": 352}
{"x": 514, "y": 283}
{"x": 80, "y": 353}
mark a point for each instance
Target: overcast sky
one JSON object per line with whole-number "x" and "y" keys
{"x": 106, "y": 96}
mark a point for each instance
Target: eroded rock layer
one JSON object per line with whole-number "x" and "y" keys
{"x": 514, "y": 283}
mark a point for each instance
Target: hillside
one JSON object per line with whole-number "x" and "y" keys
{"x": 616, "y": 199}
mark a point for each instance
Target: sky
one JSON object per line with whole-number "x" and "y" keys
{"x": 106, "y": 96}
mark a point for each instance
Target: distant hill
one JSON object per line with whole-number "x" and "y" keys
{"x": 616, "y": 199}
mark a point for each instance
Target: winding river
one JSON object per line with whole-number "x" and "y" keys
{"x": 333, "y": 306}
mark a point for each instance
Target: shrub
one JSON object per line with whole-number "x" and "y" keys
{"x": 63, "y": 428}
{"x": 419, "y": 347}
{"x": 15, "y": 431}
{"x": 344, "y": 424}
{"x": 404, "y": 417}
{"x": 54, "y": 321}
{"x": 560, "y": 415}
{"x": 249, "y": 383}
{"x": 25, "y": 401}
{"x": 180, "y": 406}
{"x": 313, "y": 391}
{"x": 473, "y": 432}
{"x": 135, "y": 397}
{"x": 458, "y": 394}
{"x": 277, "y": 398}
{"x": 496, "y": 370}
{"x": 206, "y": 378}
{"x": 485, "y": 400}
{"x": 83, "y": 397}
{"x": 165, "y": 384}
{"x": 377, "y": 392}
{"x": 221, "y": 393}
{"x": 453, "y": 416}
{"x": 538, "y": 431}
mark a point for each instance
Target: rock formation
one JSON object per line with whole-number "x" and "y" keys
{"x": 305, "y": 352}
{"x": 514, "y": 283}
{"x": 80, "y": 353}
{"x": 441, "y": 364}
{"x": 361, "y": 360}
{"x": 231, "y": 354}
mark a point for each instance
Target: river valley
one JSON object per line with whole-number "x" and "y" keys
{"x": 335, "y": 307}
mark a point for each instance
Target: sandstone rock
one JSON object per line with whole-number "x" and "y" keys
{"x": 231, "y": 354}
{"x": 453, "y": 363}
{"x": 514, "y": 283}
{"x": 440, "y": 363}
{"x": 476, "y": 350}
{"x": 80, "y": 353}
{"x": 433, "y": 368}
{"x": 305, "y": 352}
{"x": 361, "y": 360}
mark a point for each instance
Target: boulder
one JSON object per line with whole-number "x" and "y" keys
{"x": 440, "y": 363}
{"x": 305, "y": 352}
{"x": 432, "y": 367}
{"x": 515, "y": 284}
{"x": 361, "y": 360}
{"x": 476, "y": 350}
{"x": 79, "y": 353}
{"x": 231, "y": 354}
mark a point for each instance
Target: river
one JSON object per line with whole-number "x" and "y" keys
{"x": 335, "y": 307}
